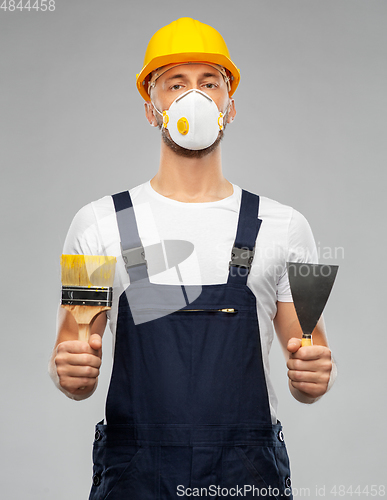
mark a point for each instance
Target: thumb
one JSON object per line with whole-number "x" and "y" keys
{"x": 95, "y": 341}
{"x": 293, "y": 345}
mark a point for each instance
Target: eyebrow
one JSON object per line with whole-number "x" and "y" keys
{"x": 182, "y": 75}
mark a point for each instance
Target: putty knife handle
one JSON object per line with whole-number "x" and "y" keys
{"x": 306, "y": 340}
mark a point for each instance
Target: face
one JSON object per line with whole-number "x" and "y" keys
{"x": 180, "y": 79}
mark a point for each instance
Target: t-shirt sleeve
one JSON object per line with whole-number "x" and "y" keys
{"x": 301, "y": 248}
{"x": 82, "y": 236}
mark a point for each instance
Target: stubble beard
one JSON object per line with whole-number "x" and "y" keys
{"x": 189, "y": 153}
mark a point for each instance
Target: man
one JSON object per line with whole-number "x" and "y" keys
{"x": 190, "y": 409}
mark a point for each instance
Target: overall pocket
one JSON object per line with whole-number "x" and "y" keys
{"x": 253, "y": 469}
{"x": 118, "y": 479}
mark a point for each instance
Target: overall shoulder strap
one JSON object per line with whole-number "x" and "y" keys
{"x": 131, "y": 247}
{"x": 244, "y": 246}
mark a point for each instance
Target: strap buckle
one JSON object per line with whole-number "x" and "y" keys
{"x": 242, "y": 257}
{"x": 134, "y": 256}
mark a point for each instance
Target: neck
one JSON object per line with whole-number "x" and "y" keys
{"x": 191, "y": 180}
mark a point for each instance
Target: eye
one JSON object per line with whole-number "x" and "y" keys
{"x": 210, "y": 85}
{"x": 177, "y": 86}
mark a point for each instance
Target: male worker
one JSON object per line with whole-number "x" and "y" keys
{"x": 190, "y": 409}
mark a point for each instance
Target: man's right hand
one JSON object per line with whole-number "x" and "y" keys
{"x": 74, "y": 364}
{"x": 77, "y": 364}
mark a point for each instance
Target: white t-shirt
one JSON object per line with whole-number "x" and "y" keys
{"x": 285, "y": 235}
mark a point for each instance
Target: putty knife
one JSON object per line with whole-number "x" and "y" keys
{"x": 310, "y": 285}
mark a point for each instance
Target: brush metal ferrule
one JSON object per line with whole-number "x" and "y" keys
{"x": 87, "y": 296}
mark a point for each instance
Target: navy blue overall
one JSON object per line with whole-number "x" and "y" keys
{"x": 187, "y": 412}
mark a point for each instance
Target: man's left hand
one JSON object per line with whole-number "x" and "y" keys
{"x": 309, "y": 368}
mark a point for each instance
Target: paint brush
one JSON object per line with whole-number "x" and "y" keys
{"x": 87, "y": 282}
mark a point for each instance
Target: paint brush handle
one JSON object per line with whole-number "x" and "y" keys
{"x": 83, "y": 332}
{"x": 85, "y": 316}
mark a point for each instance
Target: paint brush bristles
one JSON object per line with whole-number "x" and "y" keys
{"x": 88, "y": 270}
{"x": 87, "y": 282}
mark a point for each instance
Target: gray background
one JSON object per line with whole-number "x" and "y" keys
{"x": 310, "y": 132}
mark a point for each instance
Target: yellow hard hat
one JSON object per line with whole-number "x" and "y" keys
{"x": 183, "y": 41}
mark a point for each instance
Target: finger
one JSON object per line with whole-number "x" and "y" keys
{"x": 77, "y": 385}
{"x": 313, "y": 352}
{"x": 304, "y": 376}
{"x": 95, "y": 342}
{"x": 68, "y": 370}
{"x": 294, "y": 345}
{"x": 301, "y": 365}
{"x": 84, "y": 359}
{"x": 74, "y": 346}
{"x": 86, "y": 389}
{"x": 78, "y": 371}
{"x": 311, "y": 389}
{"x": 321, "y": 365}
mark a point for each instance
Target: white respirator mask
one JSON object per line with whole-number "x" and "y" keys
{"x": 193, "y": 120}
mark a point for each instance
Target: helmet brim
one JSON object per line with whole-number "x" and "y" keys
{"x": 184, "y": 58}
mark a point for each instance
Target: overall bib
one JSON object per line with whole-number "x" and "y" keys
{"x": 187, "y": 405}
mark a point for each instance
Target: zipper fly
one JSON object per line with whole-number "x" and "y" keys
{"x": 226, "y": 310}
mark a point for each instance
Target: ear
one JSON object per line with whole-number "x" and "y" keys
{"x": 150, "y": 113}
{"x": 231, "y": 111}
